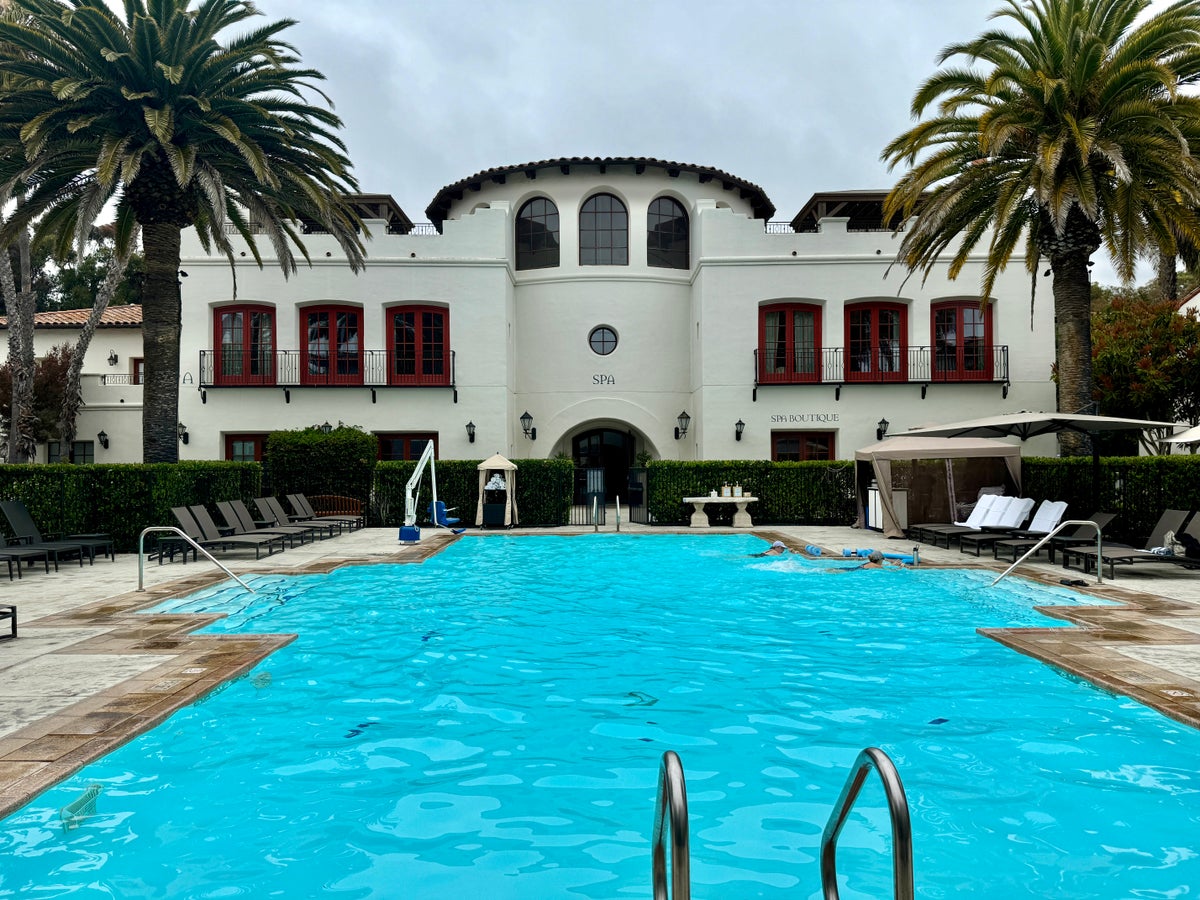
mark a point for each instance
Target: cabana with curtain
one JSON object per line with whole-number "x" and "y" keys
{"x": 496, "y": 475}
{"x": 938, "y": 473}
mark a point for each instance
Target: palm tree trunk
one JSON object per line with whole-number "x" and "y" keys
{"x": 1168, "y": 278}
{"x": 73, "y": 392}
{"x": 1073, "y": 343}
{"x": 160, "y": 332}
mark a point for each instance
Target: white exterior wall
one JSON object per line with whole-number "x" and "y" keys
{"x": 687, "y": 338}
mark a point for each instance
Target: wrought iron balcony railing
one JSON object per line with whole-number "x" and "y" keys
{"x": 298, "y": 368}
{"x": 882, "y": 365}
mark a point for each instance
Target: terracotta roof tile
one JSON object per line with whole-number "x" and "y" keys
{"x": 129, "y": 316}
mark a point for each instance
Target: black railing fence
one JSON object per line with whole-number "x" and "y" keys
{"x": 882, "y": 365}
{"x": 295, "y": 368}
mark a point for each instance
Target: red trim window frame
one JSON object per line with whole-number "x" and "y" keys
{"x": 137, "y": 370}
{"x": 405, "y": 445}
{"x": 418, "y": 345}
{"x": 876, "y": 342}
{"x": 801, "y": 446}
{"x": 245, "y": 447}
{"x": 789, "y": 343}
{"x": 961, "y": 338}
{"x": 331, "y": 347}
{"x": 243, "y": 344}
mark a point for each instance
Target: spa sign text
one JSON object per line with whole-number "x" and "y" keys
{"x": 803, "y": 418}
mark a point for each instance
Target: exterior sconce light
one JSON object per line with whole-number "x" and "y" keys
{"x": 527, "y": 426}
{"x": 326, "y": 428}
{"x": 103, "y": 439}
{"x": 738, "y": 427}
{"x": 881, "y": 428}
{"x": 112, "y": 357}
{"x": 183, "y": 433}
{"x": 471, "y": 432}
{"x": 684, "y": 421}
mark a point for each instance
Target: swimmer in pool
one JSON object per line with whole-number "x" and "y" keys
{"x": 778, "y": 548}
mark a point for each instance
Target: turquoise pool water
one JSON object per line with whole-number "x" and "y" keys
{"x": 489, "y": 724}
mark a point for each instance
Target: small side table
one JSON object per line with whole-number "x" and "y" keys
{"x": 9, "y": 612}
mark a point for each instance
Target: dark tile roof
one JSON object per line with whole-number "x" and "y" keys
{"x": 438, "y": 209}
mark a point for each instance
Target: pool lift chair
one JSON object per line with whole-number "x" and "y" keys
{"x": 410, "y": 532}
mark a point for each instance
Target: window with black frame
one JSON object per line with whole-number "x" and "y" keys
{"x": 603, "y": 232}
{"x": 667, "y": 234}
{"x": 537, "y": 235}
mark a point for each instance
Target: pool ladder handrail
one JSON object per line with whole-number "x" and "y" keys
{"x": 902, "y": 865}
{"x": 671, "y": 814}
{"x": 199, "y": 549}
{"x": 1057, "y": 528}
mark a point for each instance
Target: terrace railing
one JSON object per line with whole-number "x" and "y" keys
{"x": 884, "y": 365}
{"x": 295, "y": 368}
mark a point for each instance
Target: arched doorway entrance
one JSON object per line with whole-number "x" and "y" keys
{"x": 602, "y": 457}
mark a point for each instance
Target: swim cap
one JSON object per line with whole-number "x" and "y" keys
{"x": 778, "y": 544}
{"x": 876, "y": 556}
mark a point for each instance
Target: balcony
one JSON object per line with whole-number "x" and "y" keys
{"x": 289, "y": 369}
{"x": 910, "y": 365}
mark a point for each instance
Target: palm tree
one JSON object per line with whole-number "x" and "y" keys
{"x": 153, "y": 110}
{"x": 1066, "y": 133}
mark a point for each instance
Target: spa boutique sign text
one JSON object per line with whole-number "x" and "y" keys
{"x": 805, "y": 418}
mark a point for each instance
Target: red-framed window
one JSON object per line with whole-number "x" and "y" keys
{"x": 245, "y": 447}
{"x": 876, "y": 342}
{"x": 418, "y": 345}
{"x": 137, "y": 367}
{"x": 799, "y": 446}
{"x": 789, "y": 343}
{"x": 962, "y": 341}
{"x": 331, "y": 350}
{"x": 405, "y": 444}
{"x": 244, "y": 345}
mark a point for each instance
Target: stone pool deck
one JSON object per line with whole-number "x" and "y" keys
{"x": 88, "y": 671}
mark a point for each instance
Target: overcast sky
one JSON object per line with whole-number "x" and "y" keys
{"x": 797, "y": 96}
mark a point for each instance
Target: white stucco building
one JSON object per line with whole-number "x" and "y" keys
{"x": 604, "y": 297}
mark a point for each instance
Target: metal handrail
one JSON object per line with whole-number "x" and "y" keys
{"x": 1059, "y": 527}
{"x": 199, "y": 549}
{"x": 670, "y": 811}
{"x": 902, "y": 866}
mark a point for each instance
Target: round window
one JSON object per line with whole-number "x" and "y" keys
{"x": 602, "y": 340}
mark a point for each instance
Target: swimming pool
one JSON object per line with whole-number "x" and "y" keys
{"x": 490, "y": 722}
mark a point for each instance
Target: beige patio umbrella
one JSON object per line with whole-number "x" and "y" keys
{"x": 1191, "y": 436}
{"x": 507, "y": 471}
{"x": 1025, "y": 425}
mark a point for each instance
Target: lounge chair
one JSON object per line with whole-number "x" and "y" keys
{"x": 1077, "y": 536}
{"x": 993, "y": 517}
{"x": 214, "y": 538}
{"x": 26, "y": 532}
{"x": 238, "y": 518}
{"x": 1114, "y": 554}
{"x": 24, "y": 538}
{"x": 276, "y": 516}
{"x": 19, "y": 555}
{"x": 1044, "y": 521}
{"x": 304, "y": 509}
{"x": 926, "y": 531}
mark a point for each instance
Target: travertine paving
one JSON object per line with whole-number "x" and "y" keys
{"x": 89, "y": 671}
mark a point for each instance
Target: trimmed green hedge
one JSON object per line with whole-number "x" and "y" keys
{"x": 1136, "y": 488}
{"x": 121, "y": 500}
{"x": 312, "y": 462}
{"x": 790, "y": 493}
{"x": 543, "y": 490}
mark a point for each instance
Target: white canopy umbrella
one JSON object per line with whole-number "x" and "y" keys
{"x": 506, "y": 470}
{"x": 1191, "y": 436}
{"x": 1025, "y": 425}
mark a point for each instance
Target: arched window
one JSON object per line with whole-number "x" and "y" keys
{"x": 537, "y": 235}
{"x": 331, "y": 348}
{"x": 419, "y": 345}
{"x": 962, "y": 341}
{"x": 667, "y": 234}
{"x": 876, "y": 342}
{"x": 244, "y": 345}
{"x": 789, "y": 343}
{"x": 603, "y": 232}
